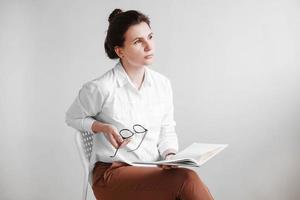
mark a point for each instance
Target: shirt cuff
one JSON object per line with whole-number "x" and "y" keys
{"x": 86, "y": 124}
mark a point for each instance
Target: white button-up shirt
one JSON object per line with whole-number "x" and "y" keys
{"x": 113, "y": 99}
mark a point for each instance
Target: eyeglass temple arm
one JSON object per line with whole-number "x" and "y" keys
{"x": 140, "y": 143}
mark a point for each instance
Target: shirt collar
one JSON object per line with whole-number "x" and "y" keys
{"x": 123, "y": 78}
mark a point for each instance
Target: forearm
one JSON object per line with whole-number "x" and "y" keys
{"x": 168, "y": 142}
{"x": 98, "y": 127}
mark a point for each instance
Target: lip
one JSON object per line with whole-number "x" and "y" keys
{"x": 149, "y": 56}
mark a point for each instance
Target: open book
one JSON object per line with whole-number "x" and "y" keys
{"x": 194, "y": 155}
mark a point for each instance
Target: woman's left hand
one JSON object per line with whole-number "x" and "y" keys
{"x": 168, "y": 157}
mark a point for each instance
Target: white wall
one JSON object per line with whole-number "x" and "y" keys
{"x": 235, "y": 71}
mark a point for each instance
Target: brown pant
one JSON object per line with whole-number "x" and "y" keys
{"x": 120, "y": 181}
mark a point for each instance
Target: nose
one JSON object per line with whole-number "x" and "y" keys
{"x": 148, "y": 45}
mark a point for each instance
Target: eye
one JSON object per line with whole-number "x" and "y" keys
{"x": 150, "y": 36}
{"x": 136, "y": 42}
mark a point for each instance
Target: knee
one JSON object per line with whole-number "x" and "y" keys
{"x": 189, "y": 175}
{"x": 192, "y": 186}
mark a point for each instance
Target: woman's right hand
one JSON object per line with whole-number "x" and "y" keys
{"x": 112, "y": 135}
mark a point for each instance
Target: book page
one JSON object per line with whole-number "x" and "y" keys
{"x": 194, "y": 155}
{"x": 200, "y": 152}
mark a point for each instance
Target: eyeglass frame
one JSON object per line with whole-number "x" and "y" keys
{"x": 132, "y": 134}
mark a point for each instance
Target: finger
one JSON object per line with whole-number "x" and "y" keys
{"x": 171, "y": 166}
{"x": 164, "y": 166}
{"x": 124, "y": 143}
{"x": 113, "y": 141}
{"x": 116, "y": 137}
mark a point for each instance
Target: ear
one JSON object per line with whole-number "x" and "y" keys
{"x": 119, "y": 51}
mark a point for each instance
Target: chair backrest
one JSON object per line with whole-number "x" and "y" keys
{"x": 84, "y": 142}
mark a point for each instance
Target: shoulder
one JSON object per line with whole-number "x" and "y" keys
{"x": 103, "y": 84}
{"x": 158, "y": 78}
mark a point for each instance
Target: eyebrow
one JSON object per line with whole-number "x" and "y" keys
{"x": 141, "y": 37}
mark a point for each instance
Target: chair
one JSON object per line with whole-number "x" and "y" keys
{"x": 84, "y": 143}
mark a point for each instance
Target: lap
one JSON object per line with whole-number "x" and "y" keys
{"x": 122, "y": 181}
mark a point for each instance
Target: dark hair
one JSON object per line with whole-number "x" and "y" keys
{"x": 119, "y": 23}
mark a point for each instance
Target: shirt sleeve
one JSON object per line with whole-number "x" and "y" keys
{"x": 87, "y": 104}
{"x": 168, "y": 141}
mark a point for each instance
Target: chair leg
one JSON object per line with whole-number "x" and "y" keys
{"x": 85, "y": 187}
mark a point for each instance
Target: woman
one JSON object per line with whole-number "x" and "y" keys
{"x": 130, "y": 111}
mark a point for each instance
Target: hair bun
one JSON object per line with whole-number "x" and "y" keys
{"x": 114, "y": 14}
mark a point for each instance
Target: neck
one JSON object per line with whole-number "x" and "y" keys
{"x": 135, "y": 73}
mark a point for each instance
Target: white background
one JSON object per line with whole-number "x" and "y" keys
{"x": 234, "y": 68}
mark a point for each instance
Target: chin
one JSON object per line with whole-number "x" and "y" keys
{"x": 148, "y": 62}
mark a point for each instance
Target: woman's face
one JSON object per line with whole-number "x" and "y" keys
{"x": 138, "y": 48}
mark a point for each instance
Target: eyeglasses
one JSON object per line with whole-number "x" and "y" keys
{"x": 126, "y": 133}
